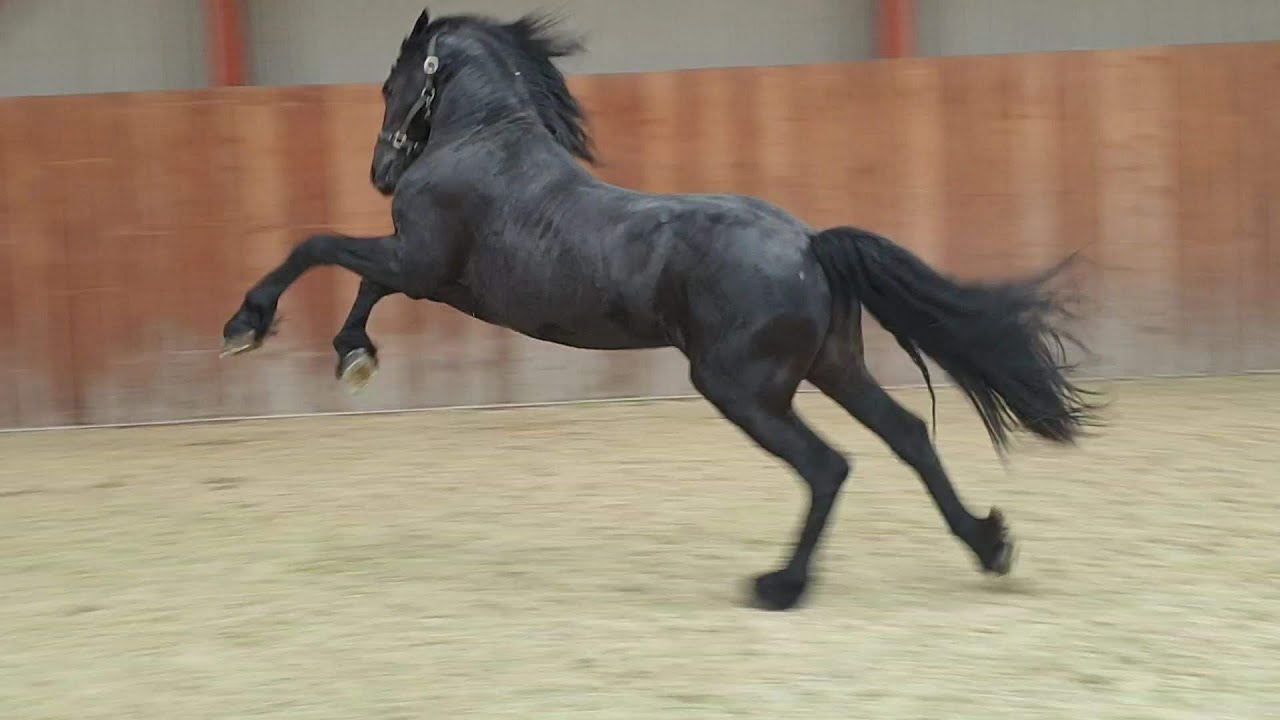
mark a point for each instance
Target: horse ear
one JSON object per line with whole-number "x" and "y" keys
{"x": 423, "y": 21}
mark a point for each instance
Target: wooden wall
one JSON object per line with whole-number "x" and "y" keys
{"x": 131, "y": 224}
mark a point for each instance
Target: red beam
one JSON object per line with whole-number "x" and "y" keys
{"x": 896, "y": 28}
{"x": 224, "y": 21}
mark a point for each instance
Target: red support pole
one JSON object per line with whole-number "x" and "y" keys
{"x": 224, "y": 20}
{"x": 895, "y": 28}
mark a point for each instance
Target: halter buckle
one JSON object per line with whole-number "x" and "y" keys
{"x": 399, "y": 139}
{"x": 431, "y": 65}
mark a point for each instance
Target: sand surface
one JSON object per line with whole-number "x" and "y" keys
{"x": 588, "y": 562}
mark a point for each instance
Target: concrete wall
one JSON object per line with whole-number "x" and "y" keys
{"x": 974, "y": 27}
{"x": 76, "y": 46}
{"x": 52, "y": 47}
{"x": 321, "y": 41}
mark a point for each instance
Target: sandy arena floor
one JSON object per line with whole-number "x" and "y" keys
{"x": 587, "y": 562}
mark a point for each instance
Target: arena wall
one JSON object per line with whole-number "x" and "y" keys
{"x": 325, "y": 41}
{"x": 53, "y": 47}
{"x": 131, "y": 224}
{"x": 974, "y": 27}
{"x": 50, "y": 47}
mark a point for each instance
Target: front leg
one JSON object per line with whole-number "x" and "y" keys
{"x": 377, "y": 259}
{"x": 357, "y": 355}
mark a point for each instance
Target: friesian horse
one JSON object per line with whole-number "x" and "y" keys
{"x": 495, "y": 216}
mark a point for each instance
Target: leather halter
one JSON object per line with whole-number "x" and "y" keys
{"x": 399, "y": 140}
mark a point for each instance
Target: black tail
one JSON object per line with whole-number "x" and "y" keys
{"x": 997, "y": 341}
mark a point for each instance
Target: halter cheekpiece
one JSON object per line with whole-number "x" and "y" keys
{"x": 399, "y": 140}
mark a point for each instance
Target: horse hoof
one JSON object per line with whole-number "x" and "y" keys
{"x": 240, "y": 334}
{"x": 777, "y": 591}
{"x": 244, "y": 342}
{"x": 1005, "y": 558}
{"x": 356, "y": 369}
{"x": 1004, "y": 551}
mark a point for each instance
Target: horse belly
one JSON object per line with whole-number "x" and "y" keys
{"x": 612, "y": 329}
{"x": 565, "y": 306}
{"x": 594, "y": 334}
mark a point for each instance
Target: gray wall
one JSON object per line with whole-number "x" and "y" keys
{"x": 316, "y": 41}
{"x": 73, "y": 46}
{"x": 50, "y": 47}
{"x": 975, "y": 27}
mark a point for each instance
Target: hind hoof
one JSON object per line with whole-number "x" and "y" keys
{"x": 1004, "y": 559}
{"x": 356, "y": 369}
{"x": 777, "y": 591}
{"x": 998, "y": 551}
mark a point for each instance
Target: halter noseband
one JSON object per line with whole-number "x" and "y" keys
{"x": 399, "y": 140}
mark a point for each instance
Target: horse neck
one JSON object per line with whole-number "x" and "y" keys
{"x": 484, "y": 102}
{"x": 477, "y": 99}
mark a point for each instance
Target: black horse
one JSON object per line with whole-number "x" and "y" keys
{"x": 495, "y": 217}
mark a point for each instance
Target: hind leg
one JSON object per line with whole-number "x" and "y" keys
{"x": 755, "y": 393}
{"x": 857, "y": 392}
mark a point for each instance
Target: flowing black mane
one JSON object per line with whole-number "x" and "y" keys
{"x": 531, "y": 44}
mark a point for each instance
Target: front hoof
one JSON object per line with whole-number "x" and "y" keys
{"x": 357, "y": 368}
{"x": 778, "y": 591}
{"x": 245, "y": 331}
{"x": 240, "y": 342}
{"x": 996, "y": 549}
